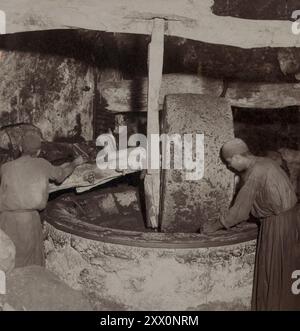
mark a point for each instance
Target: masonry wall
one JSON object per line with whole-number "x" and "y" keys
{"x": 54, "y": 93}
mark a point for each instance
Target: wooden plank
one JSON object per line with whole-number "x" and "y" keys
{"x": 192, "y": 19}
{"x": 152, "y": 178}
{"x": 253, "y": 95}
{"x": 239, "y": 94}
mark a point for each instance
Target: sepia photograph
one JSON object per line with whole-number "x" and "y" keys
{"x": 149, "y": 158}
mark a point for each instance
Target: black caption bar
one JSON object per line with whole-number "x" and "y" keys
{"x": 136, "y": 320}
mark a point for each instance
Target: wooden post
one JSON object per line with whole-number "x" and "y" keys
{"x": 152, "y": 178}
{"x": 2, "y": 25}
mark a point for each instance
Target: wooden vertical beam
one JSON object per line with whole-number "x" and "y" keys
{"x": 2, "y": 25}
{"x": 155, "y": 67}
{"x": 2, "y": 22}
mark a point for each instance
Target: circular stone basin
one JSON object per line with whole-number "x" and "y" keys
{"x": 135, "y": 270}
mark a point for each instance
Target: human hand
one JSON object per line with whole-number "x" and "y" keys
{"x": 123, "y": 171}
{"x": 79, "y": 161}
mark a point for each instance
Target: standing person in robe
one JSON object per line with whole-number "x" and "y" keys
{"x": 23, "y": 193}
{"x": 268, "y": 195}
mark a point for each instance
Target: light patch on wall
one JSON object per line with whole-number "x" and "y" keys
{"x": 2, "y": 22}
{"x": 2, "y": 26}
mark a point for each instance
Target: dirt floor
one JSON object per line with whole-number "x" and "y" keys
{"x": 35, "y": 288}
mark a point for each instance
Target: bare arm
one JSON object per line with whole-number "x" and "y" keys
{"x": 240, "y": 211}
{"x": 59, "y": 174}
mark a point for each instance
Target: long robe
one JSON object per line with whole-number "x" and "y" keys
{"x": 23, "y": 193}
{"x": 268, "y": 194}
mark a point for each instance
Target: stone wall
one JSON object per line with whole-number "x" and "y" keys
{"x": 53, "y": 92}
{"x": 119, "y": 277}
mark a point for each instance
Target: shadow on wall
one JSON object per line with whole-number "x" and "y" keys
{"x": 268, "y": 129}
{"x": 128, "y": 53}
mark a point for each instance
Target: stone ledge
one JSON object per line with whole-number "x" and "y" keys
{"x": 143, "y": 278}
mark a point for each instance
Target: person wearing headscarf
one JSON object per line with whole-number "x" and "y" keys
{"x": 23, "y": 193}
{"x": 268, "y": 195}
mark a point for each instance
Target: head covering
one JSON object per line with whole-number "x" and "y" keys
{"x": 31, "y": 142}
{"x": 233, "y": 147}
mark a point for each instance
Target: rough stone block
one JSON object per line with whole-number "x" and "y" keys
{"x": 186, "y": 204}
